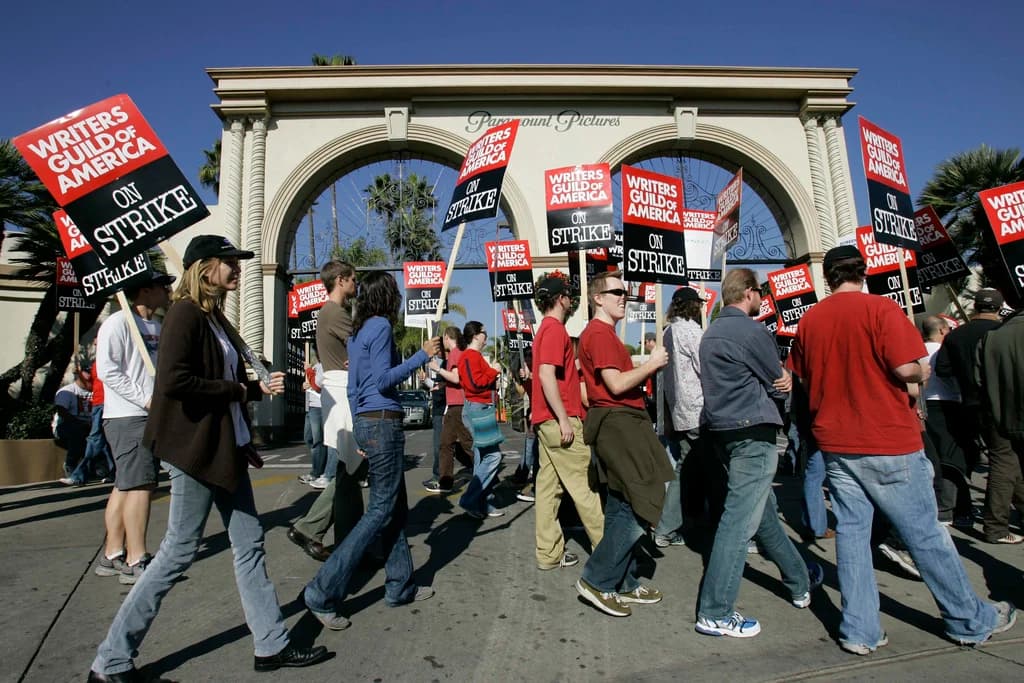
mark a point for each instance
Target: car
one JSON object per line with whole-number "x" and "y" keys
{"x": 416, "y": 404}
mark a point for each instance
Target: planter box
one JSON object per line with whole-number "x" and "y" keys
{"x": 27, "y": 461}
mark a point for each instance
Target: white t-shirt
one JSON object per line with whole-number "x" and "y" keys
{"x": 939, "y": 388}
{"x": 127, "y": 385}
{"x": 76, "y": 400}
{"x": 242, "y": 435}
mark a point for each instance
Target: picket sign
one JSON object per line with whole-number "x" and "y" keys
{"x": 519, "y": 317}
{"x": 906, "y": 286}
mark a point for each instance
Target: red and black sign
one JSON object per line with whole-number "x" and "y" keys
{"x": 641, "y": 304}
{"x": 892, "y": 211}
{"x": 579, "y": 207}
{"x": 518, "y": 329}
{"x": 652, "y": 227}
{"x": 424, "y": 281}
{"x": 939, "y": 259}
{"x": 70, "y": 295}
{"x": 478, "y": 186}
{"x": 304, "y": 303}
{"x": 883, "y": 270}
{"x": 768, "y": 316}
{"x": 793, "y": 293}
{"x": 96, "y": 280}
{"x": 727, "y": 220}
{"x": 1004, "y": 207}
{"x": 698, "y": 235}
{"x": 510, "y": 268}
{"x": 596, "y": 262}
{"x": 105, "y": 166}
{"x": 615, "y": 251}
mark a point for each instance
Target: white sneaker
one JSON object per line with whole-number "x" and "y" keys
{"x": 320, "y": 482}
{"x": 306, "y": 478}
{"x": 736, "y": 626}
{"x": 900, "y": 557}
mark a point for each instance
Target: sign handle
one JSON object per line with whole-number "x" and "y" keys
{"x": 133, "y": 332}
{"x": 76, "y": 333}
{"x": 447, "y": 281}
{"x": 956, "y": 302}
{"x": 584, "y": 304}
{"x": 306, "y": 359}
{"x": 703, "y": 306}
{"x": 906, "y": 285}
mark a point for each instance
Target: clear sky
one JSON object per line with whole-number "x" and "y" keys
{"x": 944, "y": 76}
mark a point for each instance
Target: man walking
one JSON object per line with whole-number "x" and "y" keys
{"x": 621, "y": 433}
{"x": 128, "y": 388}
{"x": 557, "y": 412}
{"x": 741, "y": 377}
{"x": 456, "y": 441}
{"x": 856, "y": 353}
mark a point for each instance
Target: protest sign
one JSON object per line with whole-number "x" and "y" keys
{"x": 892, "y": 212}
{"x": 641, "y": 305}
{"x": 883, "y": 270}
{"x": 727, "y": 220}
{"x": 424, "y": 281}
{"x": 698, "y": 235}
{"x": 938, "y": 258}
{"x": 105, "y": 166}
{"x": 70, "y": 295}
{"x": 510, "y": 269}
{"x": 305, "y": 302}
{"x": 1004, "y": 207}
{"x": 518, "y": 330}
{"x": 294, "y": 323}
{"x": 96, "y": 280}
{"x": 596, "y": 262}
{"x": 652, "y": 227}
{"x": 579, "y": 207}
{"x": 615, "y": 251}
{"x": 793, "y": 293}
{"x": 768, "y": 315}
{"x": 478, "y": 187}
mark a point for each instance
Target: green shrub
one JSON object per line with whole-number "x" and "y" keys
{"x": 31, "y": 422}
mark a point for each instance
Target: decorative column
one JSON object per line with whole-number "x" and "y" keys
{"x": 826, "y": 231}
{"x": 836, "y": 167}
{"x": 231, "y": 195}
{"x": 252, "y": 270}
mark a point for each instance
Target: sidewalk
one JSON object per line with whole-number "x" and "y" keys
{"x": 495, "y": 616}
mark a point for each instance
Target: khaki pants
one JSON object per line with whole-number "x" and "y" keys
{"x": 563, "y": 469}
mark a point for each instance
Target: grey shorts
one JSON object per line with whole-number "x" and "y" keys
{"x": 136, "y": 466}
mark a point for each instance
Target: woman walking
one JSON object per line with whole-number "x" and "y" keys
{"x": 478, "y": 379}
{"x": 199, "y": 427}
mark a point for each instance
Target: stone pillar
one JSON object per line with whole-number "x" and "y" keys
{"x": 837, "y": 171}
{"x": 826, "y": 231}
{"x": 231, "y": 196}
{"x": 252, "y": 270}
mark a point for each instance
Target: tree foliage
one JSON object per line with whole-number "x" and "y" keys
{"x": 333, "y": 60}
{"x": 209, "y": 172}
{"x": 406, "y": 208}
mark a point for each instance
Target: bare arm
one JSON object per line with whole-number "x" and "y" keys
{"x": 619, "y": 382}
{"x": 913, "y": 372}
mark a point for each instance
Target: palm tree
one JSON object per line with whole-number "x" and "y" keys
{"x": 209, "y": 172}
{"x": 333, "y": 60}
{"x": 23, "y": 199}
{"x": 359, "y": 253}
{"x": 953, "y": 193}
{"x": 406, "y": 208}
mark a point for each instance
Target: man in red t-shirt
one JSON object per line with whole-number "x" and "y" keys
{"x": 856, "y": 353}
{"x": 456, "y": 441}
{"x": 557, "y": 413}
{"x": 622, "y": 435}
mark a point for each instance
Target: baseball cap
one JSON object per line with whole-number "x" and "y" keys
{"x": 209, "y": 246}
{"x": 988, "y": 300}
{"x": 841, "y": 253}
{"x": 161, "y": 279}
{"x": 553, "y": 286}
{"x": 684, "y": 294}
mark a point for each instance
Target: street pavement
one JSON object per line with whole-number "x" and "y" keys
{"x": 495, "y": 617}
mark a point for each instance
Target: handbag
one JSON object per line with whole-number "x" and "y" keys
{"x": 484, "y": 423}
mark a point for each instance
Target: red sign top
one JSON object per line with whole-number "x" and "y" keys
{"x": 928, "y": 225}
{"x": 652, "y": 199}
{"x": 694, "y": 219}
{"x": 508, "y": 255}
{"x": 767, "y": 309}
{"x": 293, "y": 304}
{"x": 73, "y": 240}
{"x": 515, "y": 321}
{"x": 882, "y": 153}
{"x": 65, "y": 273}
{"x": 728, "y": 200}
{"x": 310, "y": 295}
{"x": 790, "y": 282}
{"x": 490, "y": 151}
{"x": 89, "y": 148}
{"x": 576, "y": 187}
{"x": 1004, "y": 207}
{"x": 649, "y": 292}
{"x": 424, "y": 274}
{"x": 881, "y": 258}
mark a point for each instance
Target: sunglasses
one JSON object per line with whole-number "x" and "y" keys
{"x": 614, "y": 292}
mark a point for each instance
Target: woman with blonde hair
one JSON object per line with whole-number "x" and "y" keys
{"x": 199, "y": 427}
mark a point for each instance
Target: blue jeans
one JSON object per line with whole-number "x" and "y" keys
{"x": 612, "y": 566}
{"x": 672, "y": 512}
{"x": 95, "y": 446}
{"x": 313, "y": 434}
{"x": 383, "y": 441}
{"x": 815, "y": 514}
{"x": 750, "y": 512}
{"x": 529, "y": 461}
{"x": 901, "y": 487}
{"x": 191, "y": 500}
{"x": 486, "y": 461}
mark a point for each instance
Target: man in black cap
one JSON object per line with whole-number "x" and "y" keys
{"x": 128, "y": 387}
{"x": 956, "y": 359}
{"x": 855, "y": 353}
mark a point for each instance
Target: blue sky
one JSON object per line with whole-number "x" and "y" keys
{"x": 944, "y": 76}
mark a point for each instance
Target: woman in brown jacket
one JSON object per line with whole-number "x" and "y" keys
{"x": 199, "y": 427}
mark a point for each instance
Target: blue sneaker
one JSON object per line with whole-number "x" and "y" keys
{"x": 816, "y": 575}
{"x": 736, "y": 626}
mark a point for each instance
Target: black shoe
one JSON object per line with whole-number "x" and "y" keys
{"x": 292, "y": 656}
{"x": 130, "y": 676}
{"x": 314, "y": 549}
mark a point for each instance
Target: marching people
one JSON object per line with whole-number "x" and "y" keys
{"x": 456, "y": 441}
{"x": 477, "y": 378}
{"x": 856, "y": 353}
{"x": 622, "y": 435}
{"x": 199, "y": 426}
{"x": 73, "y": 420}
{"x": 128, "y": 394}
{"x": 741, "y": 377}
{"x": 557, "y": 418}
{"x": 374, "y": 372}
{"x": 96, "y": 446}
{"x": 313, "y": 425}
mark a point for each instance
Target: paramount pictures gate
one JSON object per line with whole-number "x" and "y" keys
{"x": 290, "y": 131}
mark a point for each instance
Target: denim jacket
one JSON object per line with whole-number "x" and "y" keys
{"x": 739, "y": 361}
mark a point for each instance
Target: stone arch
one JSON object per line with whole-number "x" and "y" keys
{"x": 370, "y": 143}
{"x": 763, "y": 171}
